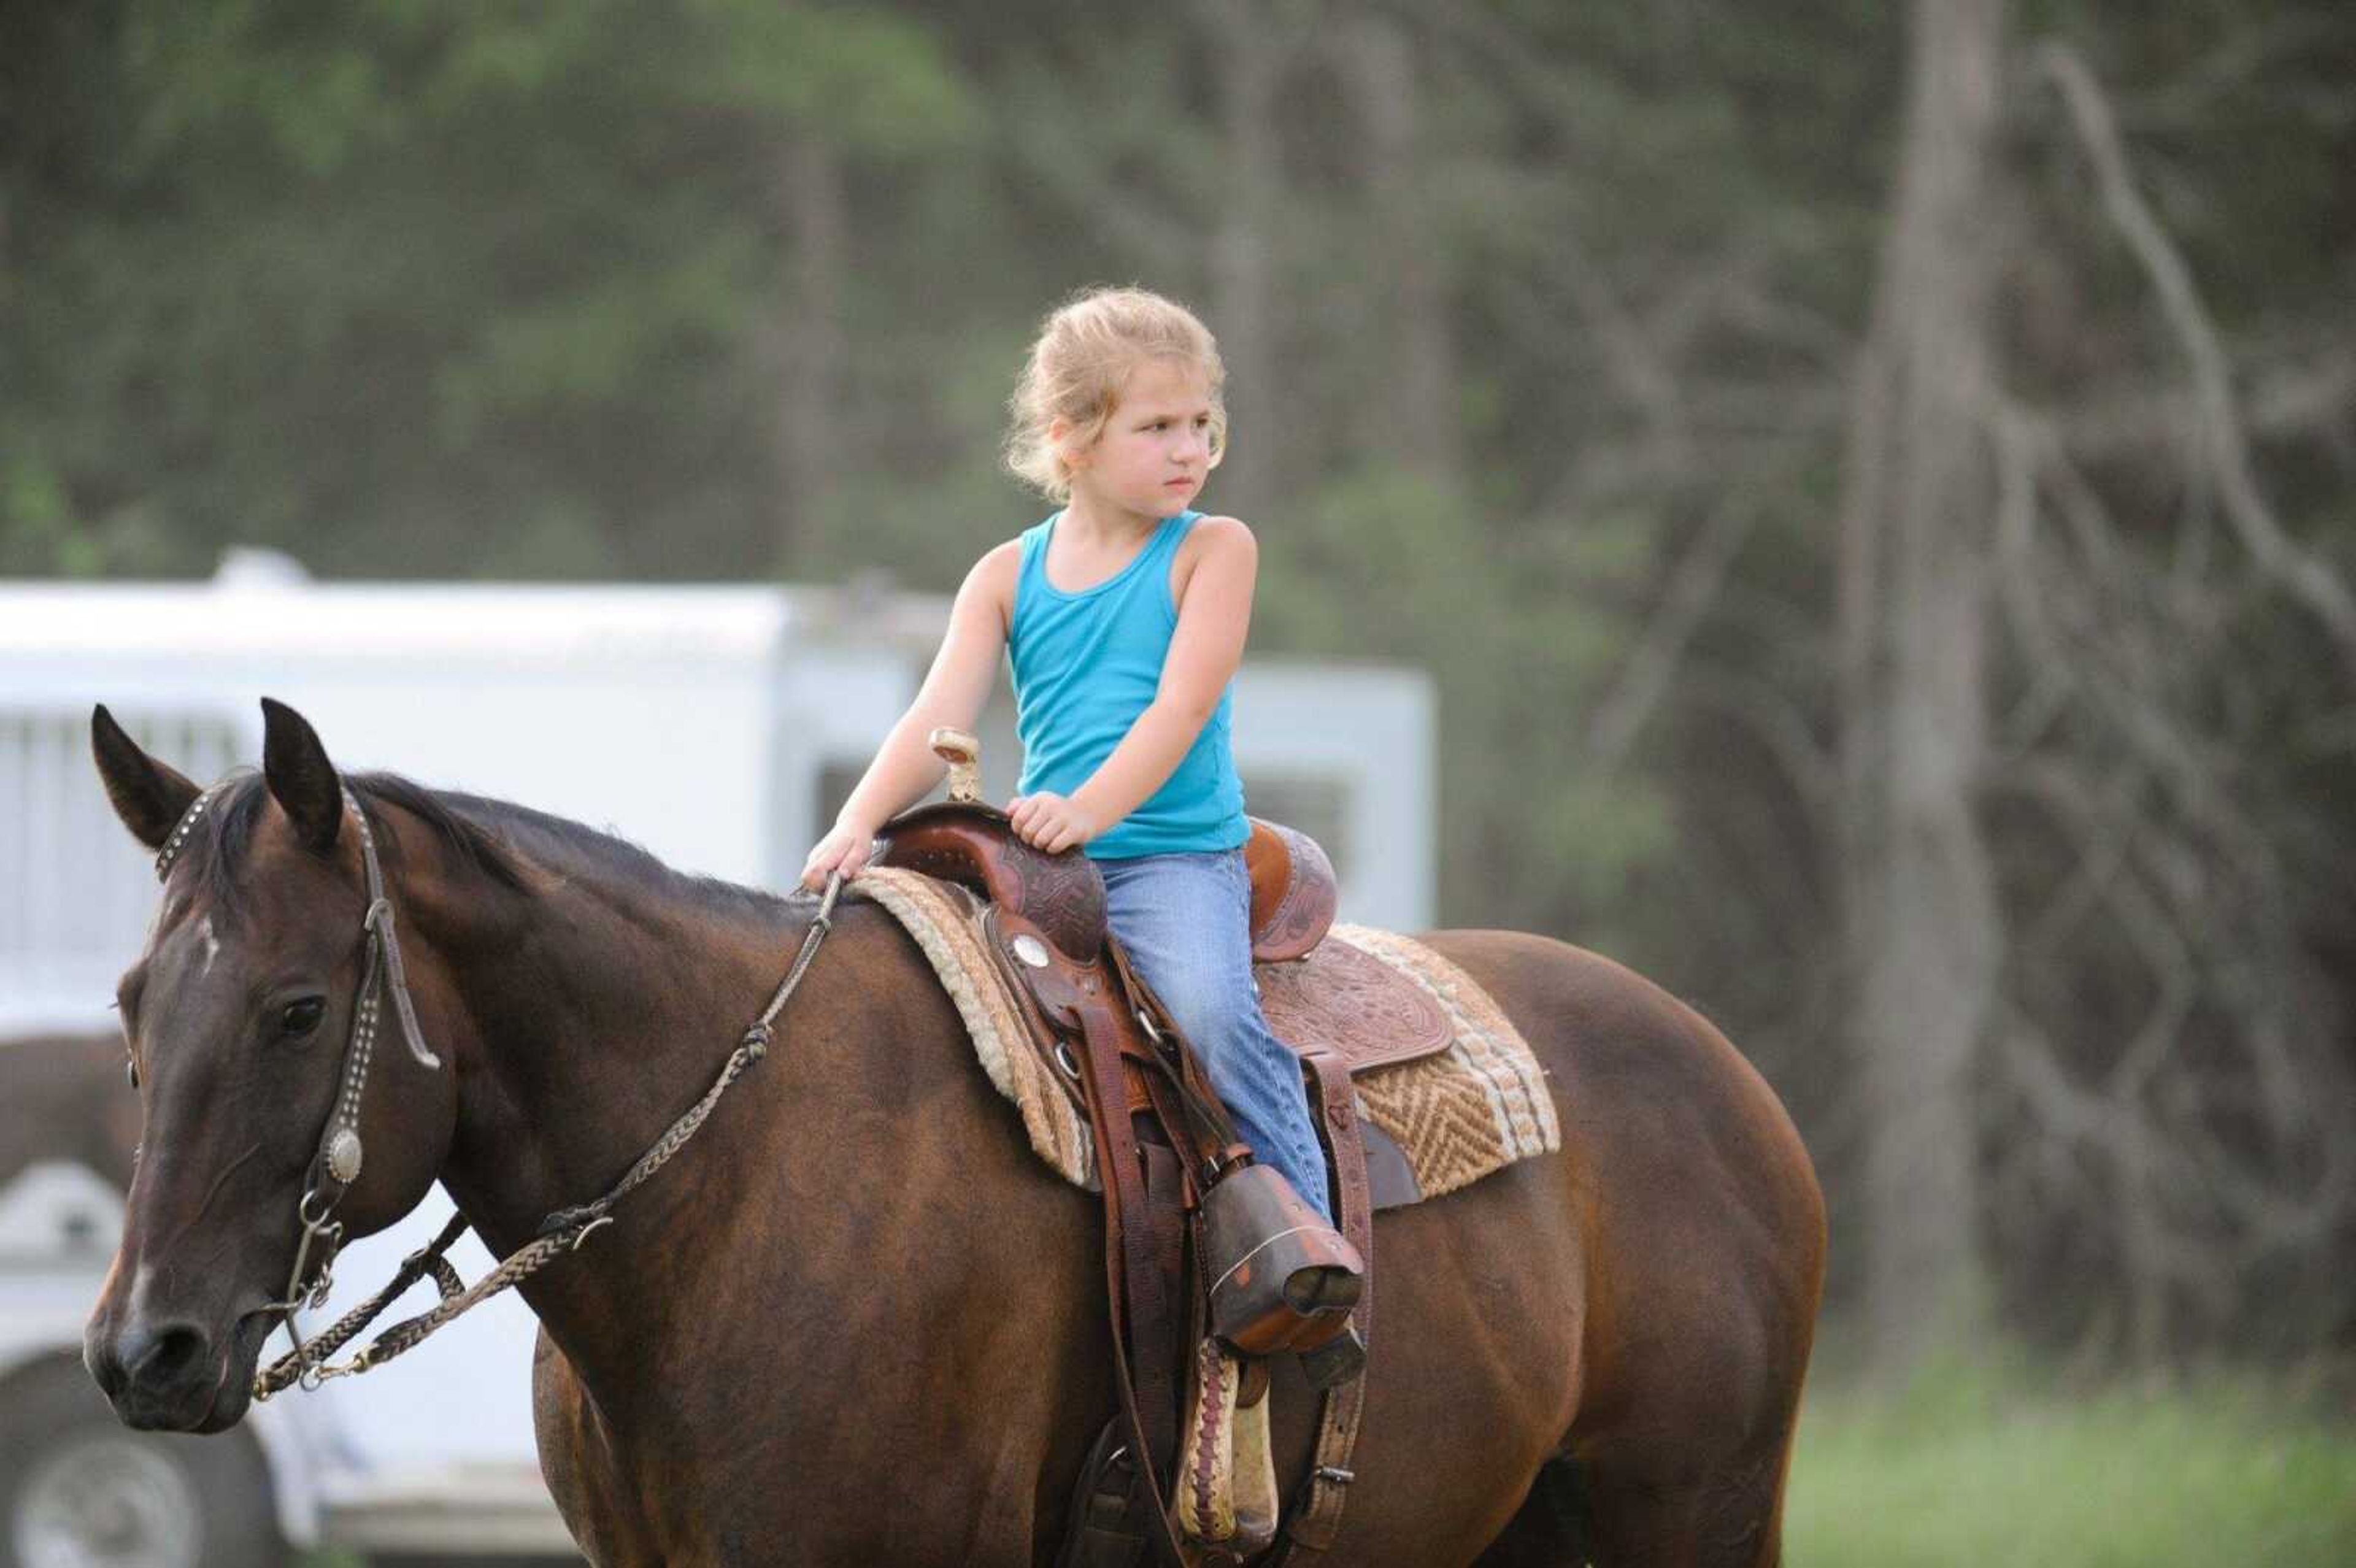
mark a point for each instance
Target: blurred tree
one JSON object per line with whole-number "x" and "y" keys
{"x": 1920, "y": 927}
{"x": 430, "y": 286}
{"x": 1566, "y": 345}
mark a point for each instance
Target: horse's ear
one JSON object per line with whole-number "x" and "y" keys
{"x": 150, "y": 797}
{"x": 301, "y": 779}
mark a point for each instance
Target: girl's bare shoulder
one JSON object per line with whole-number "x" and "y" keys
{"x": 1216, "y": 534}
{"x": 991, "y": 582}
{"x": 1002, "y": 559}
{"x": 1221, "y": 536}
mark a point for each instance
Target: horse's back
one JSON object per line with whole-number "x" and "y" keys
{"x": 1653, "y": 1099}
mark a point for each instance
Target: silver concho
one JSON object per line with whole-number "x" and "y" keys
{"x": 1030, "y": 949}
{"x": 343, "y": 1154}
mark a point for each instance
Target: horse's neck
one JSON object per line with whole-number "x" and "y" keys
{"x": 764, "y": 1197}
{"x": 605, "y": 1013}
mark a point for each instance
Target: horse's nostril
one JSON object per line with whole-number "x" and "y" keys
{"x": 163, "y": 1356}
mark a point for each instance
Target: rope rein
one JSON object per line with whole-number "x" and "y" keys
{"x": 562, "y": 1233}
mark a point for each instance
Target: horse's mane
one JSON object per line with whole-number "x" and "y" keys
{"x": 493, "y": 838}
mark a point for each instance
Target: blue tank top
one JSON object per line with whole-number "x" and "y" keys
{"x": 1086, "y": 665}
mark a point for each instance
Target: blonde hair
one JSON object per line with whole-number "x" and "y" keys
{"x": 1082, "y": 357}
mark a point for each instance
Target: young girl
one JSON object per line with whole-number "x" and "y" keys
{"x": 1125, "y": 614}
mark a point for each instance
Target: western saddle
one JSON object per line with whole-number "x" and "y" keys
{"x": 1163, "y": 1143}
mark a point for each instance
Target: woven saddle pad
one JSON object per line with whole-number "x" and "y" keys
{"x": 1473, "y": 1101}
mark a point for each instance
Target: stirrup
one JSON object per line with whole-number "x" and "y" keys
{"x": 1335, "y": 1361}
{"x": 1280, "y": 1276}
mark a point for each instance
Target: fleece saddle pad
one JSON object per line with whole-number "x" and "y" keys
{"x": 1471, "y": 1106}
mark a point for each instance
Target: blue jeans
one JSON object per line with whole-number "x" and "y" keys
{"x": 1185, "y": 921}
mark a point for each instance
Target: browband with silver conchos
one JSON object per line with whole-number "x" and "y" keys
{"x": 178, "y": 840}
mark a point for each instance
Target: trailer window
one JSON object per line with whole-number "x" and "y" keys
{"x": 76, "y": 891}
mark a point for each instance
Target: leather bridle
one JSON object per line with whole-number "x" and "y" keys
{"x": 335, "y": 1164}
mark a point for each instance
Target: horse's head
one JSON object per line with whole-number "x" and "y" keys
{"x": 240, "y": 1018}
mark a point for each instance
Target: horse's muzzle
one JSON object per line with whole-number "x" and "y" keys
{"x": 167, "y": 1376}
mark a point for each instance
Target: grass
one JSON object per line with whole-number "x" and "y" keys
{"x": 1980, "y": 1468}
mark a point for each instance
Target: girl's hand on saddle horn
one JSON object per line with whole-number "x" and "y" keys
{"x": 1050, "y": 821}
{"x": 845, "y": 849}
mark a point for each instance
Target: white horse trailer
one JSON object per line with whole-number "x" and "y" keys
{"x": 719, "y": 727}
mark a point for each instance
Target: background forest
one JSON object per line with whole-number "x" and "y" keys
{"x": 1871, "y": 481}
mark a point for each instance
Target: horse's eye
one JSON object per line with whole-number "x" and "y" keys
{"x": 301, "y": 1018}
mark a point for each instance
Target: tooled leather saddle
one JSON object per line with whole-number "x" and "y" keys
{"x": 1163, "y": 1139}
{"x": 1293, "y": 887}
{"x": 1319, "y": 996}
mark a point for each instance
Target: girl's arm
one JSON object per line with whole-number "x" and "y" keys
{"x": 1214, "y": 618}
{"x": 954, "y": 692}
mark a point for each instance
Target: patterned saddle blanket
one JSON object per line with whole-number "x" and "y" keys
{"x": 1442, "y": 1077}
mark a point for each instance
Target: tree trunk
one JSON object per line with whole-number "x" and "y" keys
{"x": 1243, "y": 282}
{"x": 1921, "y": 925}
{"x": 1418, "y": 384}
{"x": 809, "y": 338}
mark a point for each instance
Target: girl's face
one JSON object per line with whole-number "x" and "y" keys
{"x": 1156, "y": 449}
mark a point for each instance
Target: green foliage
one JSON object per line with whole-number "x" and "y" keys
{"x": 395, "y": 286}
{"x": 1519, "y": 633}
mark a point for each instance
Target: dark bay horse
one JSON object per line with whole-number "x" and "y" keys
{"x": 856, "y": 1321}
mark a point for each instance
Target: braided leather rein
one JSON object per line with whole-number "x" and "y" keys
{"x": 336, "y": 1164}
